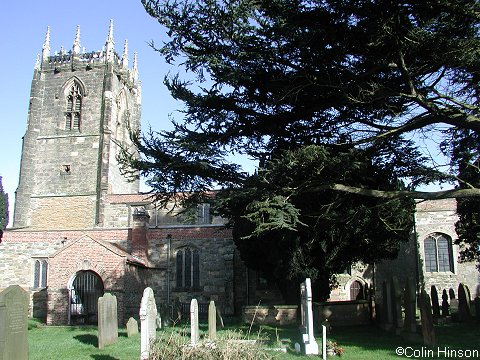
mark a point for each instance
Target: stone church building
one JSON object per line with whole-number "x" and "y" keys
{"x": 80, "y": 229}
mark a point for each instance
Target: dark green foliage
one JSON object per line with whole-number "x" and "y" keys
{"x": 331, "y": 98}
{"x": 3, "y": 208}
{"x": 464, "y": 148}
{"x": 288, "y": 229}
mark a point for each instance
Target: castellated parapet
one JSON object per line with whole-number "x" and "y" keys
{"x": 82, "y": 108}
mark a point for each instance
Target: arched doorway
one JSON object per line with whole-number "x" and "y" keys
{"x": 356, "y": 291}
{"x": 84, "y": 290}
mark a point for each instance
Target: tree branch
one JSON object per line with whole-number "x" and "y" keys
{"x": 395, "y": 194}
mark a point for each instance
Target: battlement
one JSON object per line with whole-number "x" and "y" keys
{"x": 92, "y": 59}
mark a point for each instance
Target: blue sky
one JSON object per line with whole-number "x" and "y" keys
{"x": 22, "y": 32}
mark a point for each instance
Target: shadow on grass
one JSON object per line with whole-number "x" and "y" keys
{"x": 103, "y": 357}
{"x": 88, "y": 339}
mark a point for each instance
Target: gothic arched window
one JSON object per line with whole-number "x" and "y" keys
{"x": 187, "y": 268}
{"x": 74, "y": 108}
{"x": 40, "y": 273}
{"x": 438, "y": 253}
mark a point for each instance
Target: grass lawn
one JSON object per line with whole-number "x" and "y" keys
{"x": 78, "y": 343}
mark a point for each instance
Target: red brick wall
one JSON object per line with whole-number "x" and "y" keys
{"x": 84, "y": 254}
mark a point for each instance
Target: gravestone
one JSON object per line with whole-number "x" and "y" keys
{"x": 107, "y": 320}
{"x": 14, "y": 302}
{"x": 310, "y": 344}
{"x": 324, "y": 342}
{"x": 464, "y": 312}
{"x": 428, "y": 331}
{"x": 396, "y": 293}
{"x": 477, "y": 308}
{"x": 387, "y": 314}
{"x": 220, "y": 318}
{"x": 212, "y": 321}
{"x": 194, "y": 332}
{"x": 409, "y": 302}
{"x": 148, "y": 322}
{"x": 445, "y": 311}
{"x": 435, "y": 302}
{"x": 451, "y": 293}
{"x": 132, "y": 327}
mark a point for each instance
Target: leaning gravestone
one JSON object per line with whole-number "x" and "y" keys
{"x": 409, "y": 302}
{"x": 14, "y": 303}
{"x": 132, "y": 327}
{"x": 194, "y": 332}
{"x": 148, "y": 322}
{"x": 310, "y": 344}
{"x": 428, "y": 331}
{"x": 464, "y": 312}
{"x": 107, "y": 320}
{"x": 435, "y": 302}
{"x": 212, "y": 321}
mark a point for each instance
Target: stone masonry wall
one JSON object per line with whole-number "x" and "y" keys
{"x": 435, "y": 216}
{"x": 65, "y": 212}
{"x": 440, "y": 217}
{"x": 216, "y": 251}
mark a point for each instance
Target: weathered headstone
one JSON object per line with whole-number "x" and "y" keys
{"x": 148, "y": 322}
{"x": 435, "y": 302}
{"x": 212, "y": 321}
{"x": 445, "y": 306}
{"x": 409, "y": 302}
{"x": 464, "y": 312}
{"x": 428, "y": 331}
{"x": 387, "y": 315}
{"x": 310, "y": 344}
{"x": 451, "y": 293}
{"x": 107, "y": 320}
{"x": 453, "y": 304}
{"x": 396, "y": 304}
{"x": 13, "y": 323}
{"x": 194, "y": 331}
{"x": 132, "y": 327}
{"x": 477, "y": 308}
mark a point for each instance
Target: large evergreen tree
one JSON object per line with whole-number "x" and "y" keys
{"x": 361, "y": 81}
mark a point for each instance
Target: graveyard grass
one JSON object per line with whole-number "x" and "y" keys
{"x": 359, "y": 342}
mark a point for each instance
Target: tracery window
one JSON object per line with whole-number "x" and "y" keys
{"x": 74, "y": 107}
{"x": 438, "y": 253}
{"x": 40, "y": 273}
{"x": 188, "y": 268}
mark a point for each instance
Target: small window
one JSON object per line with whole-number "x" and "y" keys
{"x": 438, "y": 253}
{"x": 40, "y": 273}
{"x": 187, "y": 268}
{"x": 74, "y": 107}
{"x": 204, "y": 214}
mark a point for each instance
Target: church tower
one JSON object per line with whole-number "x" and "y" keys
{"x": 82, "y": 107}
